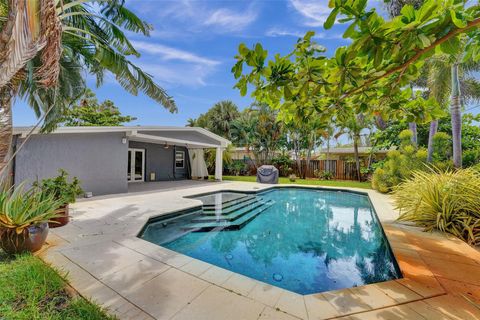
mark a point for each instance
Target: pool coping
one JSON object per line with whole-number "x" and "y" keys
{"x": 418, "y": 282}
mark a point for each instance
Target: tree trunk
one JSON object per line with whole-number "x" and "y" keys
{"x": 432, "y": 132}
{"x": 5, "y": 133}
{"x": 455, "y": 110}
{"x": 357, "y": 156}
{"x": 413, "y": 127}
{"x": 328, "y": 156}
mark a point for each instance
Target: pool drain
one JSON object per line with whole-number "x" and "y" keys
{"x": 277, "y": 277}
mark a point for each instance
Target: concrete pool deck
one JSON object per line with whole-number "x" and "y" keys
{"x": 135, "y": 279}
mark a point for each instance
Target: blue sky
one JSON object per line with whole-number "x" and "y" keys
{"x": 192, "y": 48}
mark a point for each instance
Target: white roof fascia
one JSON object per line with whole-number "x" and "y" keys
{"x": 129, "y": 130}
{"x": 159, "y": 139}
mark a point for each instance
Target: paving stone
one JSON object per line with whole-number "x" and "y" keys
{"x": 427, "y": 311}
{"x": 102, "y": 259}
{"x": 196, "y": 267}
{"x": 319, "y": 308}
{"x": 398, "y": 292}
{"x": 216, "y": 275}
{"x": 345, "y": 302}
{"x": 455, "y": 308}
{"x": 135, "y": 275}
{"x": 373, "y": 296}
{"x": 167, "y": 294}
{"x": 239, "y": 284}
{"x": 266, "y": 294}
{"x": 393, "y": 313}
{"x": 272, "y": 314}
{"x": 218, "y": 304}
{"x": 293, "y": 304}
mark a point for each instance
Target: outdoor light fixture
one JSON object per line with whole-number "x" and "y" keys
{"x": 124, "y": 140}
{"x": 165, "y": 146}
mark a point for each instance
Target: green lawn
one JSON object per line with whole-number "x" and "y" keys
{"x": 328, "y": 183}
{"x": 30, "y": 289}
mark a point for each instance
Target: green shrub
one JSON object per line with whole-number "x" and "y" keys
{"x": 442, "y": 146}
{"x": 237, "y": 167}
{"x": 399, "y": 164}
{"x": 284, "y": 164}
{"x": 447, "y": 201}
{"x": 60, "y": 187}
{"x": 471, "y": 157}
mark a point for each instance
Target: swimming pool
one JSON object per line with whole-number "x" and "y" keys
{"x": 300, "y": 239}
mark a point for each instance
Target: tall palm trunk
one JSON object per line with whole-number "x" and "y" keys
{"x": 432, "y": 132}
{"x": 327, "y": 169}
{"x": 356, "y": 138}
{"x": 5, "y": 132}
{"x": 413, "y": 127}
{"x": 455, "y": 110}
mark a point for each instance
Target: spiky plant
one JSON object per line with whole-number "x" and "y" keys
{"x": 445, "y": 201}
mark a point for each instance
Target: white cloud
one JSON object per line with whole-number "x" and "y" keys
{"x": 169, "y": 53}
{"x": 178, "y": 75}
{"x": 229, "y": 20}
{"x": 280, "y": 32}
{"x": 316, "y": 11}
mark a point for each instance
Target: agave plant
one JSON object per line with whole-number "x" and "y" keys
{"x": 21, "y": 209}
{"x": 446, "y": 201}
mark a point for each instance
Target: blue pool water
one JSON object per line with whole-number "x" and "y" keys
{"x": 302, "y": 240}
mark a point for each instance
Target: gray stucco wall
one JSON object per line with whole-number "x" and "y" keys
{"x": 99, "y": 160}
{"x": 161, "y": 161}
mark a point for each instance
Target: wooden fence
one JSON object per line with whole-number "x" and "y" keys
{"x": 340, "y": 169}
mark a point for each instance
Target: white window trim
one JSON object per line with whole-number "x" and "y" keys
{"x": 183, "y": 159}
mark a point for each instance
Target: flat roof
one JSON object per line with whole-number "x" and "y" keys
{"x": 134, "y": 131}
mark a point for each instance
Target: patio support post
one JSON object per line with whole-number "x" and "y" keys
{"x": 219, "y": 164}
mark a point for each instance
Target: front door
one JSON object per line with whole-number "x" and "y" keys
{"x": 136, "y": 165}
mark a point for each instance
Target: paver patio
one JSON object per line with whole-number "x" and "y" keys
{"x": 135, "y": 279}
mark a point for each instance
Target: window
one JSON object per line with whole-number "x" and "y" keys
{"x": 179, "y": 159}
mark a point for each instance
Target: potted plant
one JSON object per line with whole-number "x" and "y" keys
{"x": 64, "y": 191}
{"x": 24, "y": 218}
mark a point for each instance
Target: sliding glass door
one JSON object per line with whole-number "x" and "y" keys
{"x": 136, "y": 165}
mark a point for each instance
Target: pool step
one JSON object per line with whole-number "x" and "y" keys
{"x": 229, "y": 209}
{"x": 230, "y": 215}
{"x": 227, "y": 203}
{"x": 237, "y": 224}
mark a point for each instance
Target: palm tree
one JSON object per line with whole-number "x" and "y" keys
{"x": 452, "y": 79}
{"x": 191, "y": 122}
{"x": 45, "y": 46}
{"x": 223, "y": 114}
{"x": 353, "y": 126}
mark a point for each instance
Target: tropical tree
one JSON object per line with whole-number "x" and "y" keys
{"x": 219, "y": 118}
{"x": 87, "y": 111}
{"x": 452, "y": 78}
{"x": 45, "y": 47}
{"x": 394, "y": 8}
{"x": 353, "y": 125}
{"x": 373, "y": 73}
{"x": 191, "y": 122}
{"x": 260, "y": 131}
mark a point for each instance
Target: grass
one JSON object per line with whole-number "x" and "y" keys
{"x": 328, "y": 183}
{"x": 30, "y": 289}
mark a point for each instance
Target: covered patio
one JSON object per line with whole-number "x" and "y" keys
{"x": 192, "y": 141}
